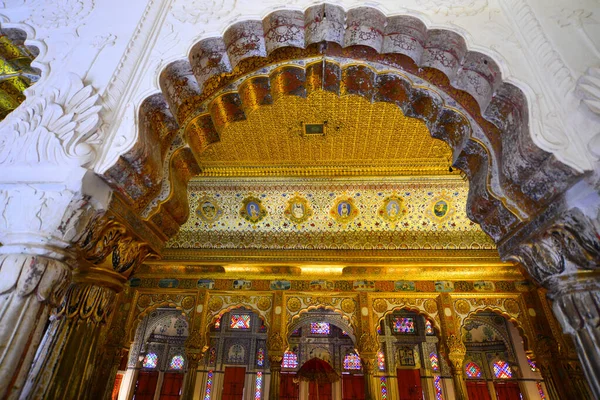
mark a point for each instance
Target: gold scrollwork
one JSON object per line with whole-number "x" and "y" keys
{"x": 380, "y": 305}
{"x": 430, "y": 306}
{"x": 264, "y": 303}
{"x": 462, "y": 307}
{"x": 348, "y": 306}
{"x": 187, "y": 302}
{"x": 512, "y": 307}
{"x": 215, "y": 304}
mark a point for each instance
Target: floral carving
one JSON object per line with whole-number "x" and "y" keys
{"x": 61, "y": 13}
{"x": 348, "y": 306}
{"x": 58, "y": 128}
{"x": 293, "y": 304}
{"x": 264, "y": 303}
{"x": 511, "y": 306}
{"x": 380, "y": 305}
{"x": 456, "y": 7}
{"x": 215, "y": 304}
{"x": 430, "y": 306}
{"x": 202, "y": 11}
{"x": 462, "y": 307}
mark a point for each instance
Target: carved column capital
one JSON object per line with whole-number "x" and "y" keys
{"x": 456, "y": 352}
{"x": 275, "y": 345}
{"x": 368, "y": 344}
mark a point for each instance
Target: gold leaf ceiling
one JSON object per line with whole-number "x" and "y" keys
{"x": 361, "y": 138}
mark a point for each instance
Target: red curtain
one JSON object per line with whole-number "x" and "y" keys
{"x": 324, "y": 391}
{"x": 353, "y": 387}
{"x": 171, "y": 387}
{"x": 409, "y": 384}
{"x": 478, "y": 390}
{"x": 117, "y": 386}
{"x": 507, "y": 390}
{"x": 288, "y": 390}
{"x": 146, "y": 385}
{"x": 233, "y": 383}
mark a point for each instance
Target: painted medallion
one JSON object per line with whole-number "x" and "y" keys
{"x": 392, "y": 209}
{"x": 252, "y": 209}
{"x": 344, "y": 210}
{"x": 208, "y": 209}
{"x": 298, "y": 209}
{"x": 440, "y": 207}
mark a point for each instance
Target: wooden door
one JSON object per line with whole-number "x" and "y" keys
{"x": 116, "y": 387}
{"x": 353, "y": 387}
{"x": 478, "y": 390}
{"x": 145, "y": 385}
{"x": 233, "y": 383}
{"x": 288, "y": 389}
{"x": 409, "y": 384}
{"x": 324, "y": 391}
{"x": 172, "y": 385}
{"x": 507, "y": 390}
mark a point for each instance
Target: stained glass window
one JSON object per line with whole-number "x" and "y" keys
{"x": 209, "y": 383}
{"x": 429, "y": 327}
{"x": 212, "y": 356}
{"x": 319, "y": 328}
{"x": 404, "y": 325}
{"x": 240, "y": 321}
{"x": 351, "y": 361}
{"x": 381, "y": 360}
{"x": 379, "y": 329}
{"x": 177, "y": 362}
{"x": 218, "y": 323}
{"x": 260, "y": 357}
{"x": 541, "y": 391}
{"x": 383, "y": 388}
{"x": 259, "y": 383}
{"x": 473, "y": 370}
{"x": 437, "y": 384}
{"x": 150, "y": 361}
{"x": 344, "y": 333}
{"x": 296, "y": 332}
{"x": 502, "y": 370}
{"x": 435, "y": 365}
{"x": 290, "y": 360}
{"x": 532, "y": 364}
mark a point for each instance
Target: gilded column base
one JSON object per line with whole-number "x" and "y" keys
{"x": 275, "y": 361}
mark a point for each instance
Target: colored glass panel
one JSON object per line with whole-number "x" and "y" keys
{"x": 472, "y": 370}
{"x": 218, "y": 323}
{"x": 379, "y": 330}
{"x": 381, "y": 361}
{"x": 150, "y": 361}
{"x": 212, "y": 356}
{"x": 435, "y": 365}
{"x": 437, "y": 384}
{"x": 319, "y": 328}
{"x": 344, "y": 333}
{"x": 502, "y": 370}
{"x": 209, "y": 383}
{"x": 240, "y": 321}
{"x": 532, "y": 364}
{"x": 428, "y": 327}
{"x": 541, "y": 391}
{"x": 177, "y": 362}
{"x": 404, "y": 325}
{"x": 352, "y": 361}
{"x": 290, "y": 360}
{"x": 260, "y": 357}
{"x": 296, "y": 332}
{"x": 259, "y": 383}
{"x": 383, "y": 386}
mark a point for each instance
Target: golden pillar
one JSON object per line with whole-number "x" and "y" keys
{"x": 275, "y": 349}
{"x": 368, "y": 347}
{"x": 456, "y": 355}
{"x": 64, "y": 365}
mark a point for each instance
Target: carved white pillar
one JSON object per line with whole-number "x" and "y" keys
{"x": 43, "y": 204}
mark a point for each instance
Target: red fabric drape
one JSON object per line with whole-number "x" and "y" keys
{"x": 478, "y": 390}
{"x": 233, "y": 383}
{"x": 146, "y": 385}
{"x": 288, "y": 390}
{"x": 353, "y": 387}
{"x": 324, "y": 391}
{"x": 117, "y": 387}
{"x": 409, "y": 384}
{"x": 171, "y": 386}
{"x": 507, "y": 390}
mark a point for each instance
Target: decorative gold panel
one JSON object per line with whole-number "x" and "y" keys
{"x": 361, "y": 138}
{"x": 368, "y": 229}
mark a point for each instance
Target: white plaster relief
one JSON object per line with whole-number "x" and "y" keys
{"x": 57, "y": 128}
{"x": 202, "y": 11}
{"x": 455, "y": 7}
{"x": 60, "y": 13}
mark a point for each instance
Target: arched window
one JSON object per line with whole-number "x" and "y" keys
{"x": 150, "y": 361}
{"x": 381, "y": 360}
{"x": 260, "y": 357}
{"x": 352, "y": 361}
{"x": 502, "y": 370}
{"x": 290, "y": 360}
{"x": 177, "y": 362}
{"x": 320, "y": 328}
{"x": 433, "y": 358}
{"x": 472, "y": 370}
{"x": 429, "y": 327}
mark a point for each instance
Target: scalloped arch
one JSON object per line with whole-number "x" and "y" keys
{"x": 434, "y": 320}
{"x": 339, "y": 319}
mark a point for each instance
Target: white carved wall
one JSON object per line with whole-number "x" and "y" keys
{"x": 119, "y": 47}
